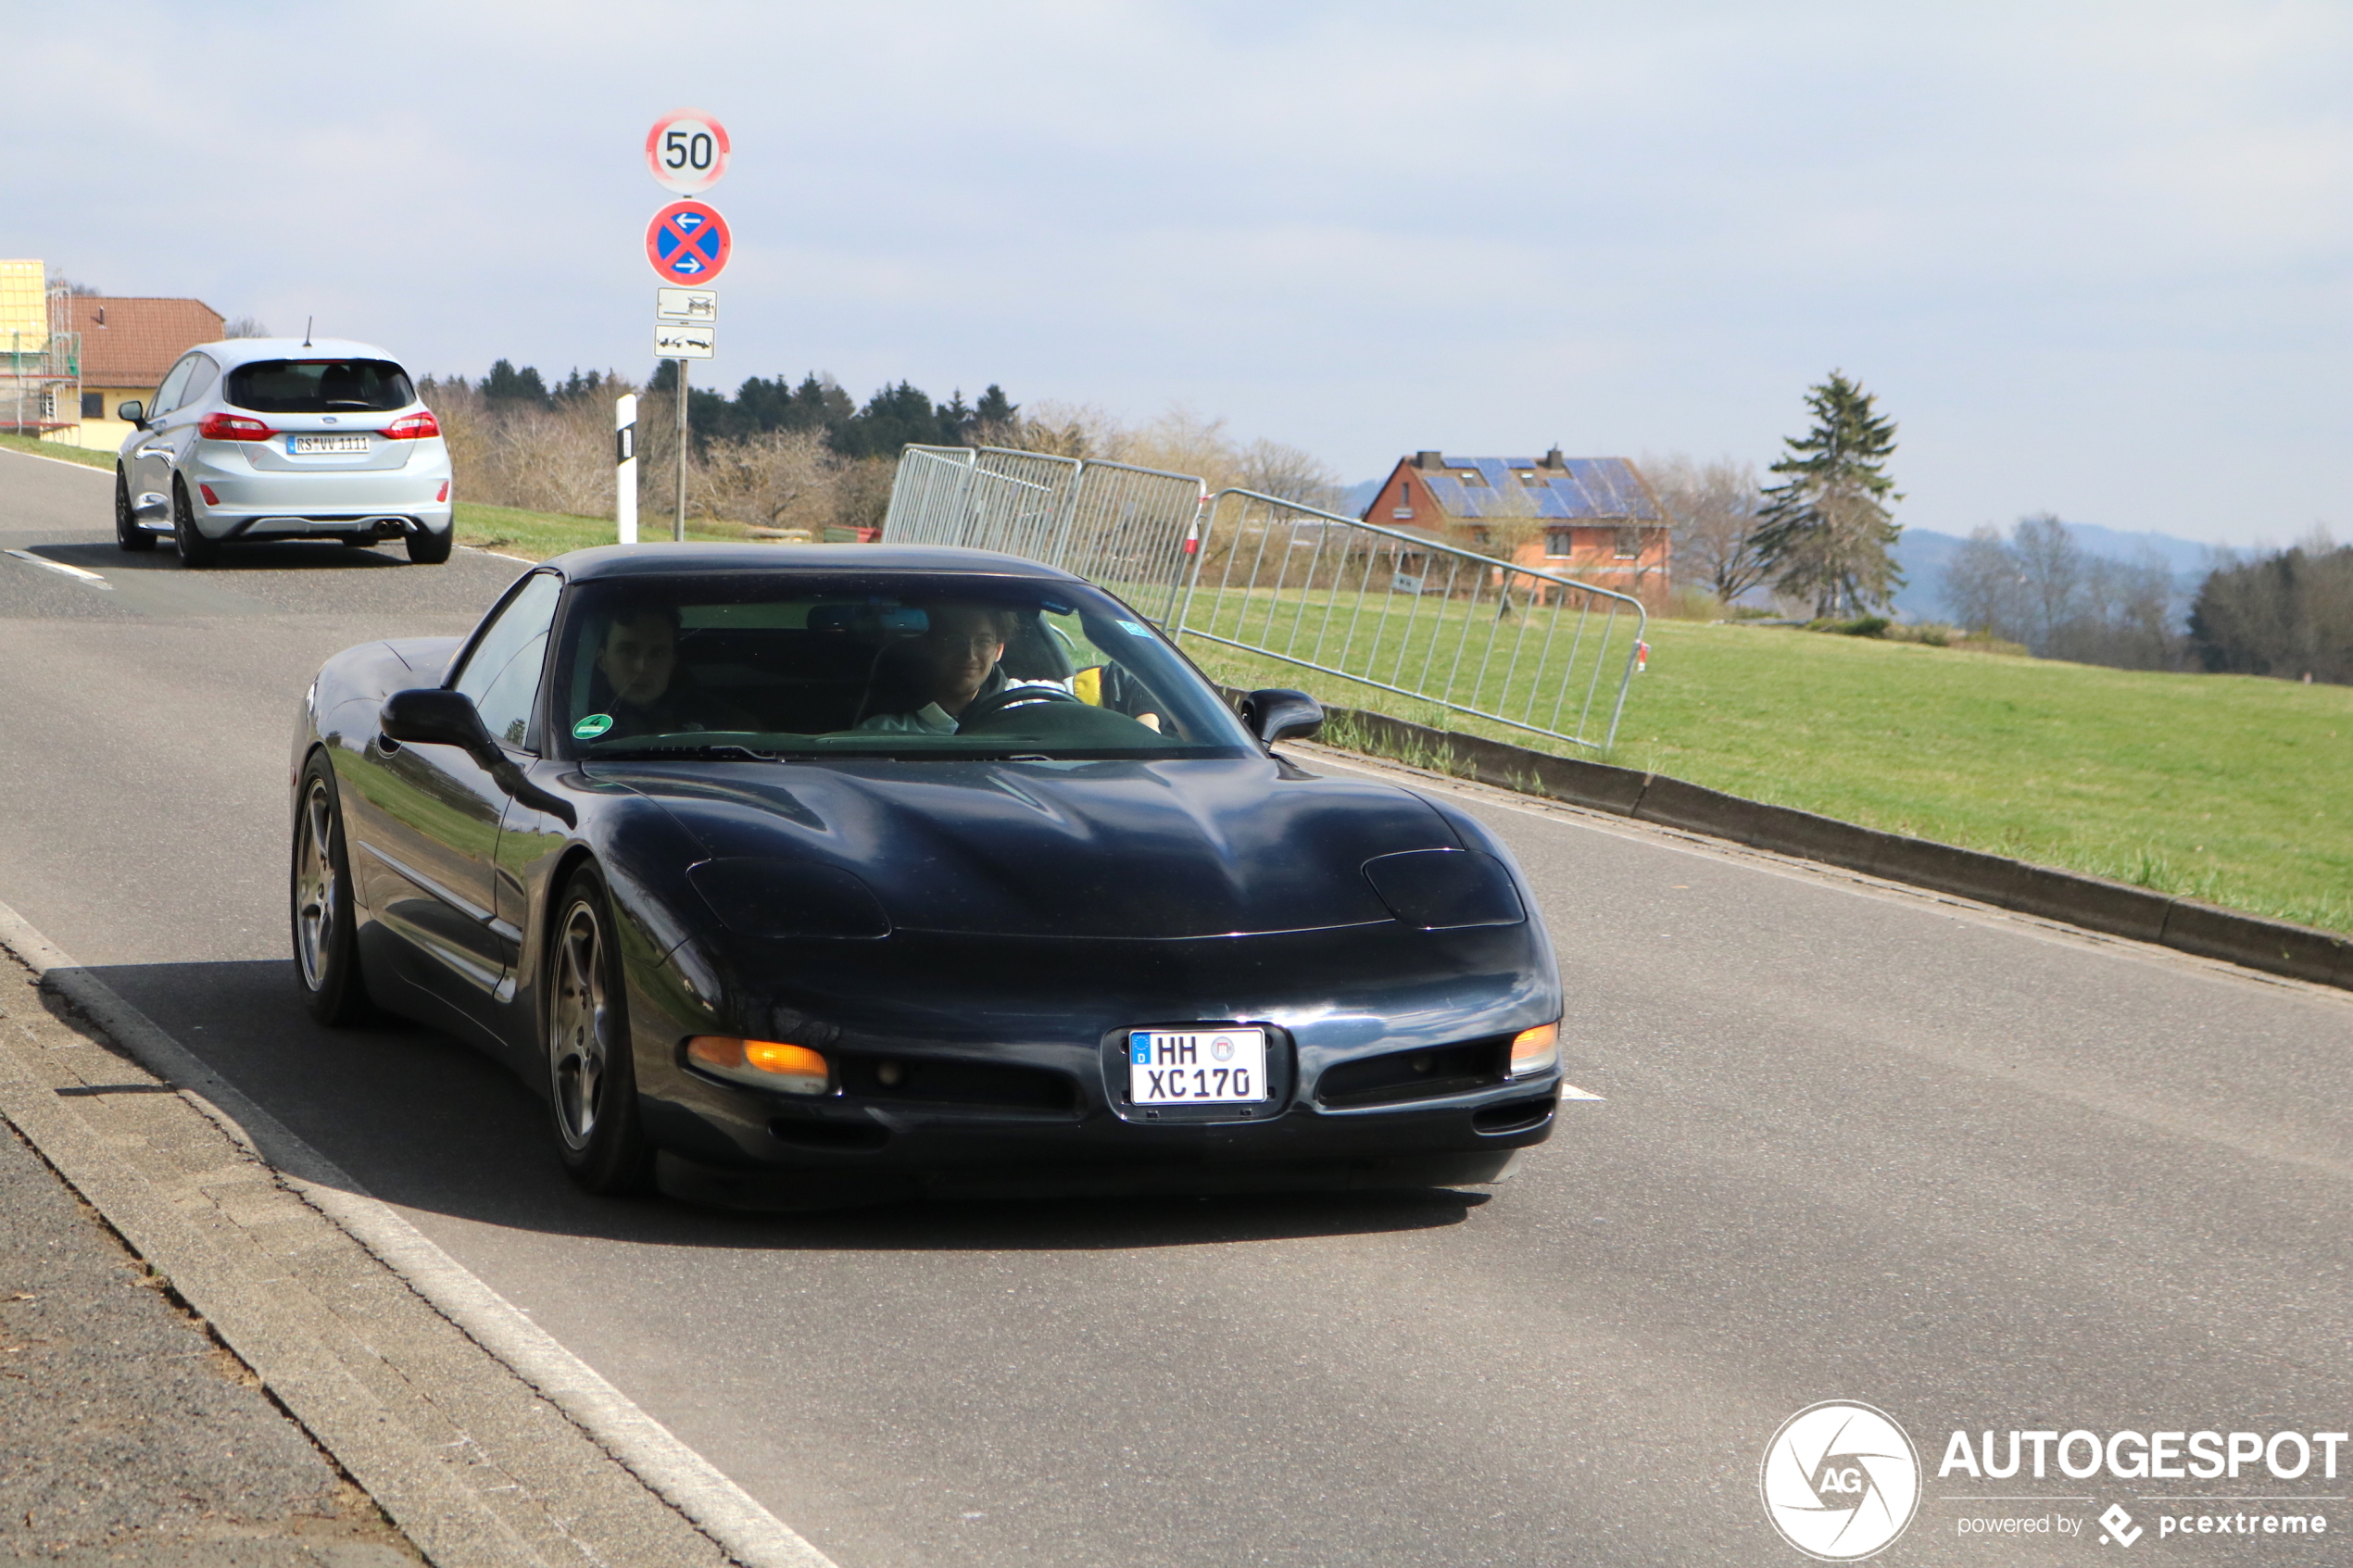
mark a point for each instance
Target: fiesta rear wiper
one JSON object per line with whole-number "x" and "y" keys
{"x": 723, "y": 753}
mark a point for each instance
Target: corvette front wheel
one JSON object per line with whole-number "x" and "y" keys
{"x": 592, "y": 1082}
{"x": 319, "y": 901}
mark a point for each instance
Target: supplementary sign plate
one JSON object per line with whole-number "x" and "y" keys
{"x": 1197, "y": 1066}
{"x": 687, "y": 151}
{"x": 675, "y": 341}
{"x": 686, "y": 305}
{"x": 688, "y": 242}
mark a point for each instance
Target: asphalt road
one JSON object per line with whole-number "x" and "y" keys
{"x": 1855, "y": 1143}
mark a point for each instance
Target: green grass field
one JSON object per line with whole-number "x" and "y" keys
{"x": 2227, "y": 788}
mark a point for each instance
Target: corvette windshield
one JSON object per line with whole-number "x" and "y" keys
{"x": 910, "y": 665}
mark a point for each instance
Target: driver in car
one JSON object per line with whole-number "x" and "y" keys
{"x": 950, "y": 667}
{"x": 641, "y": 686}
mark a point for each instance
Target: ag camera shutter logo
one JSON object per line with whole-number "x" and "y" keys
{"x": 1840, "y": 1481}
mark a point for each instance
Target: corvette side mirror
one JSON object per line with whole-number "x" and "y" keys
{"x": 1275, "y": 714}
{"x": 134, "y": 412}
{"x": 438, "y": 716}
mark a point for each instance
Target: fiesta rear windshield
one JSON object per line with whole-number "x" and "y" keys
{"x": 320, "y": 387}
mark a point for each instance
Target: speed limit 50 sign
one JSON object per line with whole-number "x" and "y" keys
{"x": 686, "y": 151}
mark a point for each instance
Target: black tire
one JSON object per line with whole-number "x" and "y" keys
{"x": 127, "y": 532}
{"x": 592, "y": 1077}
{"x": 427, "y": 548}
{"x": 194, "y": 548}
{"x": 319, "y": 905}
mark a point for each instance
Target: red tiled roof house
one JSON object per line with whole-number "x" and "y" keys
{"x": 127, "y": 344}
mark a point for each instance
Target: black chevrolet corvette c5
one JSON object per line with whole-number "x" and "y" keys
{"x": 798, "y": 875}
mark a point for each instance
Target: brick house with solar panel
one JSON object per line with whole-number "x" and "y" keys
{"x": 1593, "y": 519}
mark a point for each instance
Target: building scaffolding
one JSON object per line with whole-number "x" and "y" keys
{"x": 40, "y": 353}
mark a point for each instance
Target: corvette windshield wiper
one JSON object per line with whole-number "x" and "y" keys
{"x": 724, "y": 753}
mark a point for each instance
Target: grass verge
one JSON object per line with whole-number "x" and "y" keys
{"x": 2227, "y": 788}
{"x": 537, "y": 535}
{"x": 88, "y": 457}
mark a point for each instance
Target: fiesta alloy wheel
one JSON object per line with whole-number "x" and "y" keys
{"x": 592, "y": 1082}
{"x": 326, "y": 947}
{"x": 127, "y": 532}
{"x": 194, "y": 548}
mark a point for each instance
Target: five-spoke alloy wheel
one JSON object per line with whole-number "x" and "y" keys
{"x": 319, "y": 896}
{"x": 591, "y": 1081}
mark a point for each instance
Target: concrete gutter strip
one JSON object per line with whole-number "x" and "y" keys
{"x": 555, "y": 1504}
{"x": 2093, "y": 903}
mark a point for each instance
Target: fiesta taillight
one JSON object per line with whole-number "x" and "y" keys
{"x": 795, "y": 1070}
{"x": 232, "y": 427}
{"x": 442, "y": 493}
{"x": 411, "y": 427}
{"x": 1536, "y": 1050}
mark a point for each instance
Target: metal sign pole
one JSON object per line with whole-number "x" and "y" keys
{"x": 624, "y": 447}
{"x": 680, "y": 533}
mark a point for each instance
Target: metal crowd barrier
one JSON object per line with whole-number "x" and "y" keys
{"x": 1514, "y": 645}
{"x": 1405, "y": 613}
{"x": 1111, "y": 523}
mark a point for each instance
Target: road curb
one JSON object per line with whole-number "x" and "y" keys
{"x": 450, "y": 1526}
{"x": 2114, "y": 909}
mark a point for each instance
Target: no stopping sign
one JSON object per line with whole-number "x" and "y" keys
{"x": 688, "y": 242}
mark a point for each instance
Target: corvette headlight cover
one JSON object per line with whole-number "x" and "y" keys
{"x": 1444, "y": 889}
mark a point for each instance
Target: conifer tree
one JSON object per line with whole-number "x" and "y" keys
{"x": 1824, "y": 532}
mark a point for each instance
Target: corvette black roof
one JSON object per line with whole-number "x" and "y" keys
{"x": 648, "y": 560}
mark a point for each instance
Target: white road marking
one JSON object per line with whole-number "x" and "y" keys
{"x": 1570, "y": 1091}
{"x": 493, "y": 555}
{"x": 88, "y": 579}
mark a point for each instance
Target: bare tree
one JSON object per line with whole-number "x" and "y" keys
{"x": 244, "y": 326}
{"x": 1273, "y": 469}
{"x": 1711, "y": 510}
{"x": 2051, "y": 569}
{"x": 1985, "y": 586}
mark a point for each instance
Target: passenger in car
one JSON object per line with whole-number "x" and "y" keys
{"x": 641, "y": 686}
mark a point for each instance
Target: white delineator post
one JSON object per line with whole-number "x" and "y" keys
{"x": 625, "y": 447}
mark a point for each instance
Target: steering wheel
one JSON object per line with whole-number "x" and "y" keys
{"x": 987, "y": 708}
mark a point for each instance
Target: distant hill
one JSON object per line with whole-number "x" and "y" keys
{"x": 1923, "y": 552}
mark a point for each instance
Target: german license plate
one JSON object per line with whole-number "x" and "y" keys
{"x": 1196, "y": 1066}
{"x": 303, "y": 446}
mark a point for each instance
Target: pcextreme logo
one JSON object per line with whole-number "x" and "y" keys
{"x": 1840, "y": 1481}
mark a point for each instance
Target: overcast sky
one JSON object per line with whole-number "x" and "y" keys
{"x": 2093, "y": 259}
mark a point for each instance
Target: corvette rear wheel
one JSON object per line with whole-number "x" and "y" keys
{"x": 127, "y": 532}
{"x": 592, "y": 1082}
{"x": 318, "y": 896}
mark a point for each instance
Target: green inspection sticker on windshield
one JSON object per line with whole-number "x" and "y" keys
{"x": 591, "y": 727}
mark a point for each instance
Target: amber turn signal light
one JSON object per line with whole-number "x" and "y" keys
{"x": 1536, "y": 1050}
{"x": 797, "y": 1069}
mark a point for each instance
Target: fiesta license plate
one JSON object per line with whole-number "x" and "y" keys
{"x": 1197, "y": 1066}
{"x": 304, "y": 445}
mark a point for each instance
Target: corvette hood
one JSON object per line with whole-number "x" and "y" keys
{"x": 1065, "y": 849}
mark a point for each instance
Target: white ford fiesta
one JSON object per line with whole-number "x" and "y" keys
{"x": 271, "y": 438}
